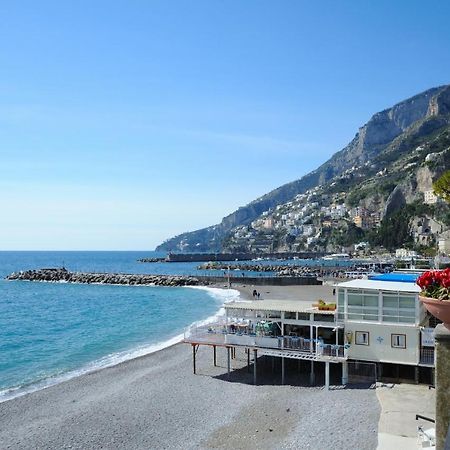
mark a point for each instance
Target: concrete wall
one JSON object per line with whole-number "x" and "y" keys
{"x": 263, "y": 281}
{"x": 442, "y": 336}
{"x": 379, "y": 348}
{"x": 185, "y": 257}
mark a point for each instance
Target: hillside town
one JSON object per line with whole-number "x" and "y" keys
{"x": 318, "y": 221}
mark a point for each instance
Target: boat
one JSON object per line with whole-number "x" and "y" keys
{"x": 335, "y": 256}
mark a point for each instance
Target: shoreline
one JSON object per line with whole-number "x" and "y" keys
{"x": 244, "y": 294}
{"x": 155, "y": 401}
{"x": 107, "y": 361}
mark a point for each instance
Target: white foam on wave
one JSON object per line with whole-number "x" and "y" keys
{"x": 221, "y": 295}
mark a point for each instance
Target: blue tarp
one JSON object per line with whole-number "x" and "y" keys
{"x": 402, "y": 277}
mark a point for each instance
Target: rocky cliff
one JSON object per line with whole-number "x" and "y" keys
{"x": 388, "y": 137}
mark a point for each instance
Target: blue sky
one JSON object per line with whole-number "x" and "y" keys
{"x": 123, "y": 123}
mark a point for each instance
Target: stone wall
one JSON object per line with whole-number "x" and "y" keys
{"x": 442, "y": 337}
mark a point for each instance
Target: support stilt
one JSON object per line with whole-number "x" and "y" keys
{"x": 248, "y": 359}
{"x": 344, "y": 373}
{"x": 229, "y": 361}
{"x": 273, "y": 365}
{"x": 282, "y": 370}
{"x": 193, "y": 359}
{"x": 312, "y": 377}
{"x": 327, "y": 375}
{"x": 379, "y": 371}
{"x": 255, "y": 355}
{"x": 215, "y": 356}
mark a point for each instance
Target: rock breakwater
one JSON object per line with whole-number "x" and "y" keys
{"x": 63, "y": 275}
{"x": 288, "y": 270}
{"x": 151, "y": 260}
{"x": 279, "y": 270}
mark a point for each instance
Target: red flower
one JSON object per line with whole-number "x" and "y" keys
{"x": 435, "y": 284}
{"x": 434, "y": 279}
{"x": 445, "y": 280}
{"x": 426, "y": 280}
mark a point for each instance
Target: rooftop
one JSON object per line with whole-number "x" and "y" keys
{"x": 395, "y": 276}
{"x": 277, "y": 305}
{"x": 395, "y": 286}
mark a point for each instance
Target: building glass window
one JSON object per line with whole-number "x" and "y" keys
{"x": 361, "y": 337}
{"x": 341, "y": 303}
{"x": 362, "y": 305}
{"x": 398, "y": 340}
{"x": 399, "y": 307}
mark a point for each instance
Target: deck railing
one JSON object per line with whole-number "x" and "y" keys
{"x": 298, "y": 343}
{"x": 221, "y": 334}
{"x": 338, "y": 351}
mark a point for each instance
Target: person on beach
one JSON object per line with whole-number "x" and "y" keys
{"x": 254, "y": 293}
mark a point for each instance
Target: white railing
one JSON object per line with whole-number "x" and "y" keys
{"x": 334, "y": 351}
{"x": 219, "y": 333}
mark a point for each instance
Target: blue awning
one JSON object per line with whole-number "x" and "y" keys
{"x": 401, "y": 277}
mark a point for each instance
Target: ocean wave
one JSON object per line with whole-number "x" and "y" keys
{"x": 222, "y": 295}
{"x": 219, "y": 294}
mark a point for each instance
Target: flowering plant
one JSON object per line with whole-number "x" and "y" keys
{"x": 435, "y": 284}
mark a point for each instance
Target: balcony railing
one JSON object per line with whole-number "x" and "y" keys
{"x": 337, "y": 351}
{"x": 221, "y": 334}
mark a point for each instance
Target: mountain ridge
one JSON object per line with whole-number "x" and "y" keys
{"x": 426, "y": 109}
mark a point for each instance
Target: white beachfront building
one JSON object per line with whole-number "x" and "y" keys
{"x": 377, "y": 324}
{"x": 386, "y": 324}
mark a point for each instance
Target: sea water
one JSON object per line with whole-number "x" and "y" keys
{"x": 50, "y": 332}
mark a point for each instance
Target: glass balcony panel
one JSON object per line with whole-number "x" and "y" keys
{"x": 407, "y": 301}
{"x": 390, "y": 301}
{"x": 355, "y": 299}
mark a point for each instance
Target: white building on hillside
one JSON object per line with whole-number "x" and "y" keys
{"x": 430, "y": 197}
{"x": 444, "y": 245}
{"x": 405, "y": 253}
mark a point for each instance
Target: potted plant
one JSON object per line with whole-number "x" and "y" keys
{"x": 435, "y": 295}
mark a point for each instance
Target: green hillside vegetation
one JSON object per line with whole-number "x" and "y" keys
{"x": 442, "y": 186}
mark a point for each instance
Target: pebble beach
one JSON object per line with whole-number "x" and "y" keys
{"x": 156, "y": 402}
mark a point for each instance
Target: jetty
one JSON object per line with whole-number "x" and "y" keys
{"x": 60, "y": 275}
{"x": 205, "y": 257}
{"x": 279, "y": 269}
